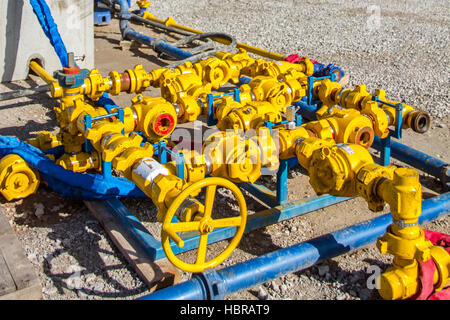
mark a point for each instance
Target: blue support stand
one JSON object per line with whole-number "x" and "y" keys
{"x": 102, "y": 16}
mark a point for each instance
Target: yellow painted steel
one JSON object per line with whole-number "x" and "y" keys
{"x": 348, "y": 126}
{"x": 17, "y": 179}
{"x": 156, "y": 118}
{"x": 45, "y": 140}
{"x": 205, "y": 223}
{"x": 80, "y": 162}
{"x": 252, "y": 115}
{"x": 233, "y": 157}
{"x": 37, "y": 68}
{"x": 332, "y": 93}
{"x": 333, "y": 149}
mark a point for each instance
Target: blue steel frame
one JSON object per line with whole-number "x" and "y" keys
{"x": 280, "y": 208}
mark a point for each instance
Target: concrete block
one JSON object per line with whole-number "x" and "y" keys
{"x": 22, "y": 38}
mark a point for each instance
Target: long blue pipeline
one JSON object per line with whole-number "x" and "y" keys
{"x": 157, "y": 44}
{"x": 218, "y": 284}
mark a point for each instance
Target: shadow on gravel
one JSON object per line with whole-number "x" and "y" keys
{"x": 83, "y": 245}
{"x": 353, "y": 283}
{"x": 79, "y": 236}
{"x": 29, "y": 130}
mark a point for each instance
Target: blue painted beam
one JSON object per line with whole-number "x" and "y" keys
{"x": 153, "y": 248}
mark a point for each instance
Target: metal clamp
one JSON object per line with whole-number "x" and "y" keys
{"x": 401, "y": 224}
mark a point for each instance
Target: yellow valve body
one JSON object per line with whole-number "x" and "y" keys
{"x": 233, "y": 157}
{"x": 80, "y": 162}
{"x": 332, "y": 169}
{"x": 17, "y": 179}
{"x": 252, "y": 115}
{"x": 45, "y": 140}
{"x": 156, "y": 118}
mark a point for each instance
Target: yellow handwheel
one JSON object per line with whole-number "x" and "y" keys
{"x": 204, "y": 224}
{"x": 17, "y": 179}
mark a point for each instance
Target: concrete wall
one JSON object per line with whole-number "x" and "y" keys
{"x": 22, "y": 38}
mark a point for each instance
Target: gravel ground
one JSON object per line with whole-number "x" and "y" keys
{"x": 406, "y": 53}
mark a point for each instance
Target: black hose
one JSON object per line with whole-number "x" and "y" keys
{"x": 206, "y": 35}
{"x": 24, "y": 92}
{"x": 192, "y": 59}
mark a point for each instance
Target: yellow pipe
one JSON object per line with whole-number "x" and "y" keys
{"x": 170, "y": 22}
{"x": 41, "y": 72}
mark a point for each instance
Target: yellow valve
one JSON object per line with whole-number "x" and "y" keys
{"x": 223, "y": 106}
{"x": 97, "y": 85}
{"x": 80, "y": 162}
{"x": 125, "y": 161}
{"x": 271, "y": 90}
{"x": 274, "y": 69}
{"x": 405, "y": 238}
{"x": 17, "y": 179}
{"x": 366, "y": 180}
{"x": 213, "y": 71}
{"x": 327, "y": 90}
{"x": 304, "y": 148}
{"x": 237, "y": 63}
{"x": 156, "y": 117}
{"x": 204, "y": 223}
{"x": 288, "y": 139}
{"x": 321, "y": 129}
{"x": 100, "y": 130}
{"x": 296, "y": 85}
{"x": 142, "y": 79}
{"x": 75, "y": 116}
{"x": 68, "y": 96}
{"x": 116, "y": 143}
{"x": 418, "y": 120}
{"x": 72, "y": 143}
{"x": 195, "y": 166}
{"x": 331, "y": 93}
{"x": 45, "y": 141}
{"x": 174, "y": 87}
{"x": 189, "y": 109}
{"x": 268, "y": 148}
{"x": 130, "y": 119}
{"x": 333, "y": 169}
{"x": 249, "y": 116}
{"x": 348, "y": 126}
{"x": 233, "y": 156}
{"x": 378, "y": 118}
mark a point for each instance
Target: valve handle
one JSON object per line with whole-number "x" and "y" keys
{"x": 204, "y": 224}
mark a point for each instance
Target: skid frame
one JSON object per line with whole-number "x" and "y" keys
{"x": 279, "y": 208}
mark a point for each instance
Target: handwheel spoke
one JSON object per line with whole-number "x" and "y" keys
{"x": 183, "y": 226}
{"x": 226, "y": 222}
{"x": 202, "y": 247}
{"x": 209, "y": 200}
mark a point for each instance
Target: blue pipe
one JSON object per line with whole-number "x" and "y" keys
{"x": 158, "y": 45}
{"x": 217, "y": 284}
{"x": 417, "y": 159}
